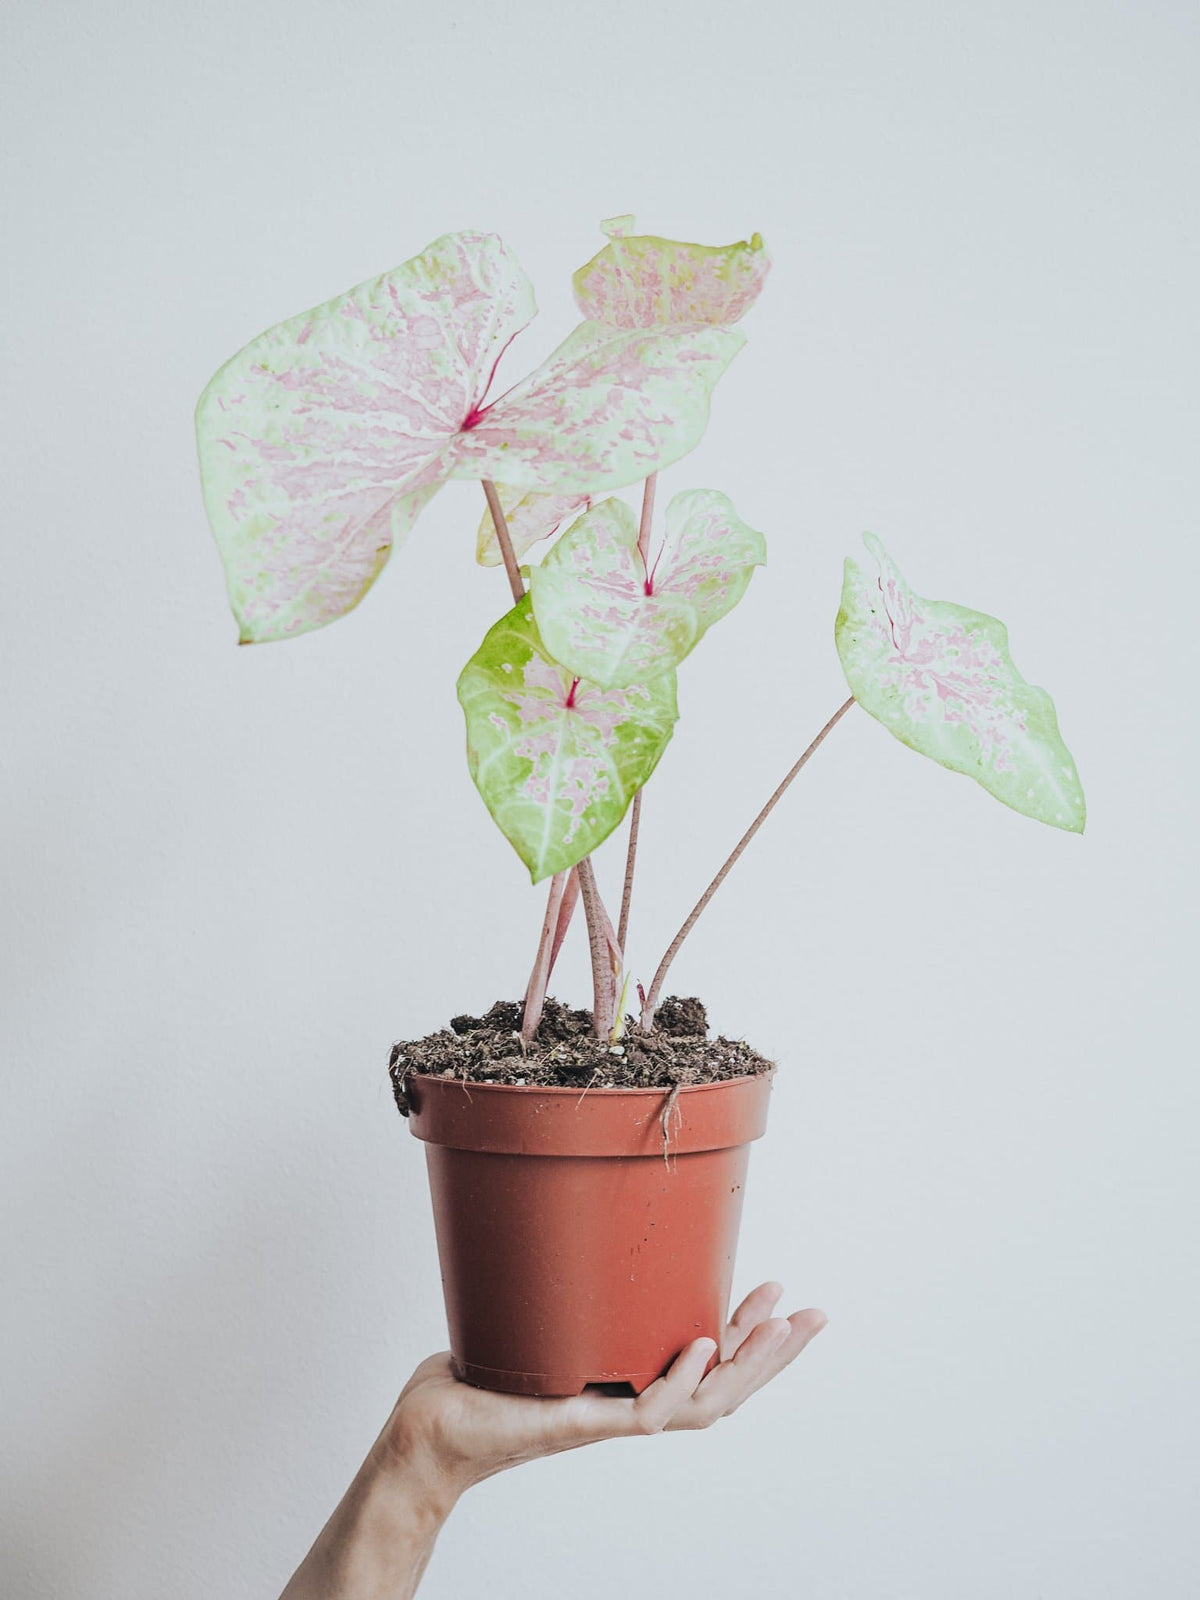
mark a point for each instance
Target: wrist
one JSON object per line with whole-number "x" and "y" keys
{"x": 427, "y": 1444}
{"x": 377, "y": 1543}
{"x": 403, "y": 1470}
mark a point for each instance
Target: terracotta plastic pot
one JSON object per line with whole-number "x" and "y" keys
{"x": 576, "y": 1246}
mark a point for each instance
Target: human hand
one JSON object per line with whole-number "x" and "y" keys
{"x": 444, "y": 1435}
{"x": 457, "y": 1435}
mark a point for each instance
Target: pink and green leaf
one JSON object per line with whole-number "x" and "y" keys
{"x": 322, "y": 440}
{"x": 609, "y": 407}
{"x": 605, "y": 617}
{"x": 940, "y": 678}
{"x": 556, "y": 759}
{"x": 640, "y": 281}
{"x": 531, "y": 517}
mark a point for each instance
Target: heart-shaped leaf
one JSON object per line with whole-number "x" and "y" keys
{"x": 530, "y": 516}
{"x": 639, "y": 281}
{"x": 322, "y": 440}
{"x": 605, "y": 618}
{"x": 610, "y": 406}
{"x": 556, "y": 759}
{"x": 940, "y": 678}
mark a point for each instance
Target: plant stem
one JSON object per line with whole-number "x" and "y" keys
{"x": 504, "y": 538}
{"x": 604, "y": 987}
{"x": 555, "y": 923}
{"x": 647, "y": 519}
{"x": 535, "y": 991}
{"x": 635, "y": 817}
{"x": 651, "y": 1004}
{"x": 564, "y": 890}
{"x": 560, "y": 907}
{"x": 565, "y": 912}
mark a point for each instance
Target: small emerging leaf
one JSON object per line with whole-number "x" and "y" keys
{"x": 606, "y": 619}
{"x": 940, "y": 678}
{"x": 618, "y": 1028}
{"x": 609, "y": 406}
{"x": 642, "y": 281}
{"x": 530, "y": 516}
{"x": 557, "y": 760}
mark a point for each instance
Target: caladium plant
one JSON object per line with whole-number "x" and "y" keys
{"x": 324, "y": 438}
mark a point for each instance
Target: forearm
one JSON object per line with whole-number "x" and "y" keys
{"x": 378, "y": 1542}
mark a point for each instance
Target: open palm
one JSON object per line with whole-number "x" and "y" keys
{"x": 467, "y": 1434}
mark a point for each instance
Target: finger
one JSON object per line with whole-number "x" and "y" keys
{"x": 763, "y": 1354}
{"x": 803, "y": 1327}
{"x": 726, "y": 1385}
{"x": 755, "y": 1308}
{"x": 591, "y": 1416}
{"x": 656, "y": 1405}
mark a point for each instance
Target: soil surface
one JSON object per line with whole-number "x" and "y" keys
{"x": 565, "y": 1054}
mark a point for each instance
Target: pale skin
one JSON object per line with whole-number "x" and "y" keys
{"x": 443, "y": 1436}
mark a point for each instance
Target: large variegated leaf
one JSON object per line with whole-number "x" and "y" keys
{"x": 610, "y": 406}
{"x": 941, "y": 679}
{"x": 602, "y": 615}
{"x": 322, "y": 440}
{"x": 640, "y": 281}
{"x": 530, "y": 516}
{"x": 556, "y": 759}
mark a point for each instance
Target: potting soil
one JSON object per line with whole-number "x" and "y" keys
{"x": 565, "y": 1053}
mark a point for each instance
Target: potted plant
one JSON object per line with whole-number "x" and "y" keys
{"x": 586, "y": 1167}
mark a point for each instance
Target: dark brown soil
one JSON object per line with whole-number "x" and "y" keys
{"x": 564, "y": 1053}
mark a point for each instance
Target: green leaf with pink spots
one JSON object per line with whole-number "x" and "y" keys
{"x": 530, "y": 516}
{"x": 323, "y": 439}
{"x": 556, "y": 759}
{"x": 640, "y": 281}
{"x": 607, "y": 618}
{"x": 609, "y": 406}
{"x": 940, "y": 678}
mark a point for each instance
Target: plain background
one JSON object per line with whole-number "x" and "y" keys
{"x": 233, "y": 877}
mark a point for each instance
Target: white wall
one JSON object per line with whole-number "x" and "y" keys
{"x": 233, "y": 877}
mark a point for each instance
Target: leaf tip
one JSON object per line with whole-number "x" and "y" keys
{"x": 874, "y": 545}
{"x": 1077, "y": 822}
{"x": 850, "y": 570}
